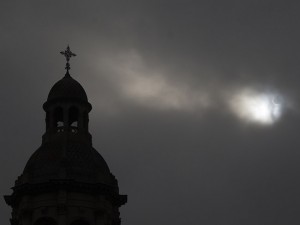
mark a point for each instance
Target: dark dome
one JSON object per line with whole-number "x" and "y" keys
{"x": 67, "y": 88}
{"x": 74, "y": 161}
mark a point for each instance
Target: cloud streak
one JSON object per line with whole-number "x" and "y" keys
{"x": 152, "y": 87}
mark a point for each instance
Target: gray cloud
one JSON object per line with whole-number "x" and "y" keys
{"x": 159, "y": 75}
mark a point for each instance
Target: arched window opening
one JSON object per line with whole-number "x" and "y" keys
{"x": 80, "y": 222}
{"x": 74, "y": 124}
{"x": 73, "y": 119}
{"x": 59, "y": 119}
{"x": 45, "y": 221}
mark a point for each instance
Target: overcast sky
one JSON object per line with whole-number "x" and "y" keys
{"x": 195, "y": 103}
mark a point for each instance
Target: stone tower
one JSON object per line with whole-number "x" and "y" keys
{"x": 66, "y": 181}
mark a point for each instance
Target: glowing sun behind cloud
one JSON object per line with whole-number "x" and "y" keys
{"x": 257, "y": 107}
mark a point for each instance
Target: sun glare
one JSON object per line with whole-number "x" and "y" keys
{"x": 263, "y": 108}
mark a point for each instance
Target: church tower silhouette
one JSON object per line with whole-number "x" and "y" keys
{"x": 66, "y": 181}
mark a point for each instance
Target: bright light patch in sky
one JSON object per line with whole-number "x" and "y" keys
{"x": 257, "y": 107}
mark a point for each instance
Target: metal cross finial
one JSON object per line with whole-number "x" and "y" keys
{"x": 68, "y": 54}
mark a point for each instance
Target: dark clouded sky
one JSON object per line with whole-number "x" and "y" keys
{"x": 195, "y": 103}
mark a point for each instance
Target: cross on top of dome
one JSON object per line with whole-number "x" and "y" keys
{"x": 68, "y": 54}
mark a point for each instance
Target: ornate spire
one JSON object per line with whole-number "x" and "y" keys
{"x": 68, "y": 54}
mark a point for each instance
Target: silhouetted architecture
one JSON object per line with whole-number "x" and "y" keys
{"x": 66, "y": 181}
